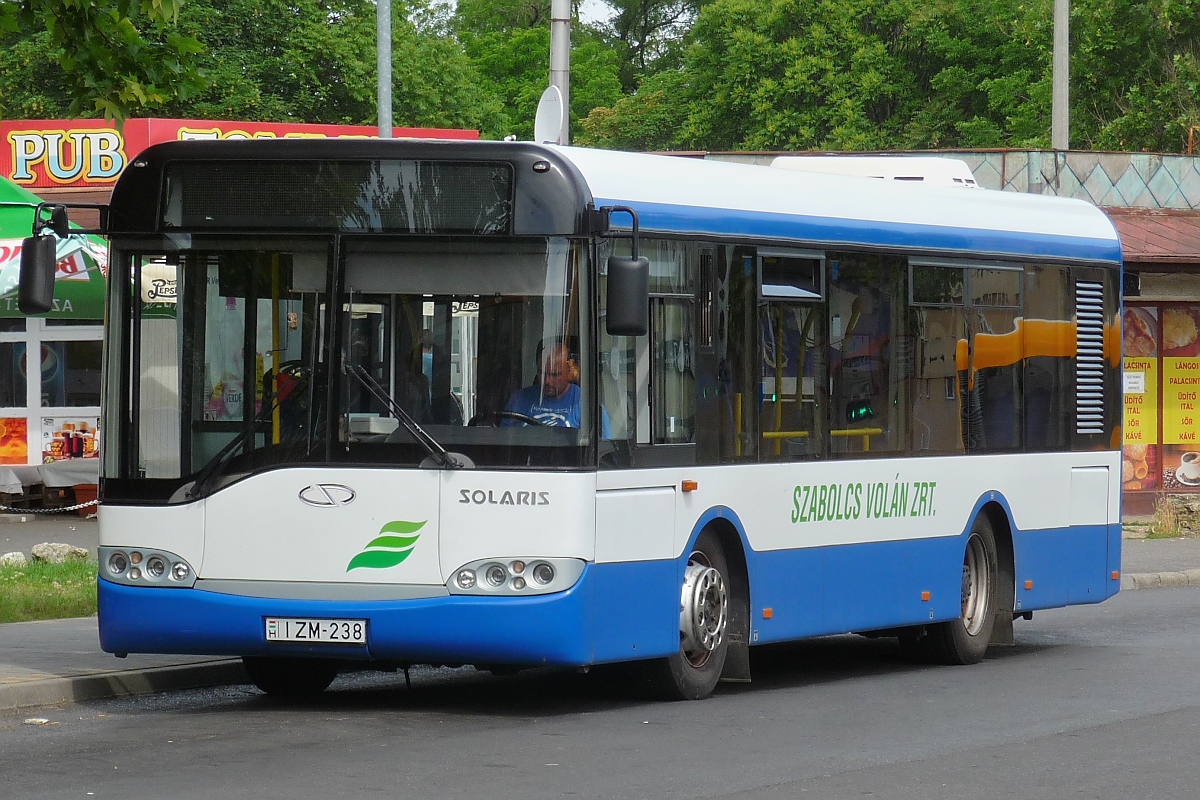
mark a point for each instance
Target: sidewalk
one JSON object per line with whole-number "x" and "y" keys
{"x": 60, "y": 661}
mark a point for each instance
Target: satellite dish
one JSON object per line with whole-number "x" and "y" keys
{"x": 547, "y": 125}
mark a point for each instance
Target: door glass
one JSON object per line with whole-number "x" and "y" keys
{"x": 793, "y": 380}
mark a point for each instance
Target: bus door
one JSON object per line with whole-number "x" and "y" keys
{"x": 263, "y": 367}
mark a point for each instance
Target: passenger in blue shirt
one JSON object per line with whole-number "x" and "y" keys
{"x": 553, "y": 399}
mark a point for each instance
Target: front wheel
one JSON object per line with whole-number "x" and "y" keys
{"x": 693, "y": 672}
{"x": 965, "y": 640}
{"x": 290, "y": 677}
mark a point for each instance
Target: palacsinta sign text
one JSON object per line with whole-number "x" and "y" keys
{"x": 93, "y": 152}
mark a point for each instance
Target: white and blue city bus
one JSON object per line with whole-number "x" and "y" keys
{"x": 788, "y": 405}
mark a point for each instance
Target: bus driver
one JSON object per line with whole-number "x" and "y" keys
{"x": 553, "y": 398}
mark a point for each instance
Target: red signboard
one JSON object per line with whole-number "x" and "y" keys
{"x": 92, "y": 152}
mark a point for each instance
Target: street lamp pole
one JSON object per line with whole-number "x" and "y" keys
{"x": 560, "y": 60}
{"x": 1060, "y": 123}
{"x": 383, "y": 50}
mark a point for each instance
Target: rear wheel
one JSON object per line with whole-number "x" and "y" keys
{"x": 965, "y": 640}
{"x": 693, "y": 672}
{"x": 290, "y": 677}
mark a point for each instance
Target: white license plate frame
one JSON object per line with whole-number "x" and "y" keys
{"x": 314, "y": 630}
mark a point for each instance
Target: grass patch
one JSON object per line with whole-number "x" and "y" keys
{"x": 47, "y": 591}
{"x": 1165, "y": 524}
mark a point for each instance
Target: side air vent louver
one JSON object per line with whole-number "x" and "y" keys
{"x": 1089, "y": 357}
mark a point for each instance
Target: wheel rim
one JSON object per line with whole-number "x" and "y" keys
{"x": 976, "y": 585}
{"x": 703, "y": 610}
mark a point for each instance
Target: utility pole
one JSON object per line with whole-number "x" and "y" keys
{"x": 1060, "y": 122}
{"x": 383, "y": 50}
{"x": 560, "y": 60}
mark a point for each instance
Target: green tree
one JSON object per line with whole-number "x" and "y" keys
{"x": 648, "y": 36}
{"x": 652, "y": 118}
{"x": 508, "y": 42}
{"x": 114, "y": 57}
{"x": 294, "y": 61}
{"x": 1135, "y": 74}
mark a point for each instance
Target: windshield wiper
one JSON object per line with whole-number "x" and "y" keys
{"x": 439, "y": 454}
{"x": 212, "y": 470}
{"x": 213, "y": 467}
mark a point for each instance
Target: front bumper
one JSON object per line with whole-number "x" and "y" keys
{"x": 559, "y": 629}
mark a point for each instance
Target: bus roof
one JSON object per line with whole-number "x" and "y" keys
{"x": 929, "y": 170}
{"x": 688, "y": 195}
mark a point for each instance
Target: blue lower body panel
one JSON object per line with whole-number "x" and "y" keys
{"x": 557, "y": 629}
{"x": 1066, "y": 566}
{"x": 881, "y": 585}
{"x": 630, "y": 611}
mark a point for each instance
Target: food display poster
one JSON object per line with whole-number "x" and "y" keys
{"x": 1181, "y": 400}
{"x": 1141, "y": 407}
{"x": 1139, "y": 467}
{"x": 70, "y": 437}
{"x": 14, "y": 440}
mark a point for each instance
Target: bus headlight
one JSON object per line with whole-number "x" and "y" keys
{"x": 543, "y": 574}
{"x": 496, "y": 576}
{"x": 156, "y": 566}
{"x": 516, "y": 577}
{"x": 118, "y": 562}
{"x": 145, "y": 567}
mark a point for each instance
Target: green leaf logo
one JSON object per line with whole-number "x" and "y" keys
{"x": 394, "y": 543}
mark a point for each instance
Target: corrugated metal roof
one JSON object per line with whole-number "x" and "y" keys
{"x": 1164, "y": 237}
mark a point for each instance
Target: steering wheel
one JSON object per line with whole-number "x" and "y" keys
{"x": 504, "y": 414}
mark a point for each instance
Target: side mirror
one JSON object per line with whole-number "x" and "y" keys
{"x": 35, "y": 288}
{"x": 628, "y": 296}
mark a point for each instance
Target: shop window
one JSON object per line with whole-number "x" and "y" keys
{"x": 12, "y": 370}
{"x": 63, "y": 323}
{"x": 12, "y": 325}
{"x": 81, "y": 373}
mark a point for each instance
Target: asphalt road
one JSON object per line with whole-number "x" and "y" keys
{"x": 1093, "y": 702}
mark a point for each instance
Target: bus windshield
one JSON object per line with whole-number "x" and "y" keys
{"x": 233, "y": 360}
{"x": 477, "y": 344}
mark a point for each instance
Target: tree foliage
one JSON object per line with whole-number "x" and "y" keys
{"x": 657, "y": 74}
{"x": 114, "y": 57}
{"x": 884, "y": 74}
{"x": 508, "y": 41}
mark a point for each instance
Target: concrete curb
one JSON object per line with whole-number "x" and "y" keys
{"x": 1160, "y": 580}
{"x": 55, "y": 690}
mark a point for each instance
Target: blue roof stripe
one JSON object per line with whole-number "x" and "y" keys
{"x": 664, "y": 218}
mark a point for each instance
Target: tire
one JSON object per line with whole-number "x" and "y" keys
{"x": 965, "y": 640}
{"x": 290, "y": 677}
{"x": 693, "y": 672}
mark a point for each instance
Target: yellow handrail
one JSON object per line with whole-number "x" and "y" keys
{"x": 866, "y": 433}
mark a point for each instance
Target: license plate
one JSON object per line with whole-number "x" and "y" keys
{"x": 328, "y": 631}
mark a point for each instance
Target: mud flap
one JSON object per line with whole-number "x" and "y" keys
{"x": 737, "y": 656}
{"x": 1002, "y": 630}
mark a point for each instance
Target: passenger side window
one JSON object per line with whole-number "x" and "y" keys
{"x": 940, "y": 335}
{"x": 791, "y": 322}
{"x": 870, "y": 355}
